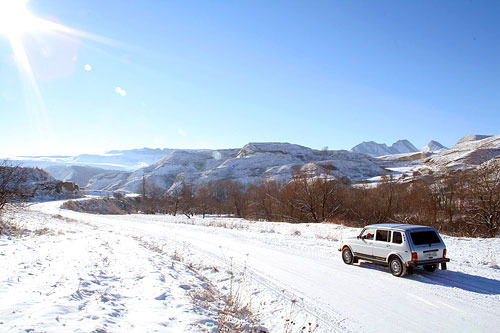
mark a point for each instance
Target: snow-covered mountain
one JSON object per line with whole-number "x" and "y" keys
{"x": 112, "y": 160}
{"x": 379, "y": 149}
{"x": 80, "y": 175}
{"x": 433, "y": 147}
{"x": 469, "y": 151}
{"x": 252, "y": 163}
{"x": 169, "y": 168}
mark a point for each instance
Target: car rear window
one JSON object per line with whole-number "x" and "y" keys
{"x": 424, "y": 237}
{"x": 397, "y": 237}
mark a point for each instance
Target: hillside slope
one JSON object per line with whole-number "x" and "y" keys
{"x": 469, "y": 151}
{"x": 252, "y": 163}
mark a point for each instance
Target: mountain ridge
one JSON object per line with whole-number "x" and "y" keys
{"x": 373, "y": 148}
{"x": 259, "y": 161}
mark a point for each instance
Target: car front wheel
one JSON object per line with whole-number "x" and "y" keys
{"x": 396, "y": 266}
{"x": 347, "y": 256}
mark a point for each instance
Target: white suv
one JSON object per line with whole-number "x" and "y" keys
{"x": 400, "y": 246}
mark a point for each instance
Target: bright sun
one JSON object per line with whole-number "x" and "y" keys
{"x": 16, "y": 22}
{"x": 15, "y": 18}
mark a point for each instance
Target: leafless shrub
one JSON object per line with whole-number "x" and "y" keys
{"x": 11, "y": 178}
{"x": 234, "y": 309}
{"x": 290, "y": 322}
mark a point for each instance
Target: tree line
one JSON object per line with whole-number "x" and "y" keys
{"x": 462, "y": 203}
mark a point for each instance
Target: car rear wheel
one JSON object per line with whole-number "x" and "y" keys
{"x": 347, "y": 256}
{"x": 430, "y": 268}
{"x": 396, "y": 266}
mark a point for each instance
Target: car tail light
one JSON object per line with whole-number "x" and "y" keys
{"x": 444, "y": 253}
{"x": 414, "y": 256}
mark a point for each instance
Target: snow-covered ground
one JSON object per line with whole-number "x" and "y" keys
{"x": 163, "y": 273}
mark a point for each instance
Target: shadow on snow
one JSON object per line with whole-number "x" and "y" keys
{"x": 452, "y": 279}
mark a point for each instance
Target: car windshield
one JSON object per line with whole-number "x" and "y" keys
{"x": 424, "y": 237}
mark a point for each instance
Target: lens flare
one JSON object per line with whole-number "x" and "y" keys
{"x": 18, "y": 25}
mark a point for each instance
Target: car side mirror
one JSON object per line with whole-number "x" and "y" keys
{"x": 357, "y": 237}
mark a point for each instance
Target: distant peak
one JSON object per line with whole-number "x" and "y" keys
{"x": 403, "y": 146}
{"x": 433, "y": 146}
{"x": 378, "y": 149}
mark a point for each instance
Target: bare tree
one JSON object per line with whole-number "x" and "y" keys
{"x": 263, "y": 199}
{"x": 11, "y": 178}
{"x": 483, "y": 185}
{"x": 316, "y": 196}
{"x": 173, "y": 201}
{"x": 204, "y": 202}
{"x": 236, "y": 197}
{"x": 187, "y": 202}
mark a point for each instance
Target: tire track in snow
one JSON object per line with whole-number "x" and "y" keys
{"x": 326, "y": 318}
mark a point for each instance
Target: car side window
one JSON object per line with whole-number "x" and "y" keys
{"x": 382, "y": 235}
{"x": 368, "y": 234}
{"x": 397, "y": 238}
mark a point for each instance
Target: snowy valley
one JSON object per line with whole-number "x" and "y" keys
{"x": 65, "y": 270}
{"x": 249, "y": 166}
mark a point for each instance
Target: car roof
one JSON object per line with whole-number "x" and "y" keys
{"x": 397, "y": 226}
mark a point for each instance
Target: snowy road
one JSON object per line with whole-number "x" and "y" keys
{"x": 298, "y": 269}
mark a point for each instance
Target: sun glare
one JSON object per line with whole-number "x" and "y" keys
{"x": 15, "y": 18}
{"x": 16, "y": 23}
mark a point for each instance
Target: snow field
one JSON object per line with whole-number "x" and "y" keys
{"x": 81, "y": 280}
{"x": 157, "y": 273}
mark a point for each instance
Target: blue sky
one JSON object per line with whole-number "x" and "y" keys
{"x": 219, "y": 74}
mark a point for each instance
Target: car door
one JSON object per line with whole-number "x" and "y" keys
{"x": 381, "y": 245}
{"x": 398, "y": 244}
{"x": 364, "y": 243}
